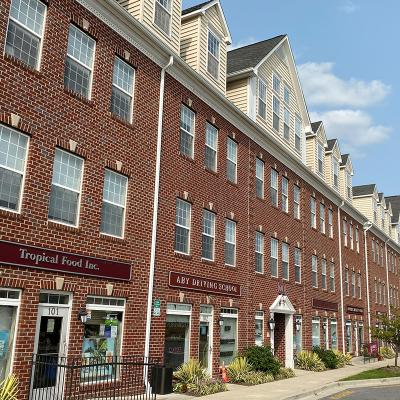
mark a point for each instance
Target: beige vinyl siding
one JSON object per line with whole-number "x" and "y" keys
{"x": 190, "y": 32}
{"x": 133, "y": 6}
{"x": 328, "y": 169}
{"x": 364, "y": 206}
{"x": 342, "y": 181}
{"x": 310, "y": 152}
{"x": 211, "y": 20}
{"x": 237, "y": 93}
{"x": 274, "y": 64}
{"x": 148, "y": 19}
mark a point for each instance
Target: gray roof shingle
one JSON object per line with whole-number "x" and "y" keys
{"x": 331, "y": 144}
{"x": 345, "y": 157}
{"x": 250, "y": 56}
{"x": 395, "y": 202}
{"x": 315, "y": 125}
{"x": 196, "y": 7}
{"x": 363, "y": 190}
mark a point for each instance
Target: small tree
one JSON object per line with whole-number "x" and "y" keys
{"x": 389, "y": 330}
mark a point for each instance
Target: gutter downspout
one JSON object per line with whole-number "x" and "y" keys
{"x": 155, "y": 217}
{"x": 341, "y": 273}
{"x": 387, "y": 277}
{"x": 366, "y": 227}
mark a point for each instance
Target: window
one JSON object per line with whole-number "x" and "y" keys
{"x": 274, "y": 188}
{"x": 375, "y": 206}
{"x": 259, "y": 252}
{"x": 187, "y": 132}
{"x": 322, "y": 217}
{"x": 314, "y": 271}
{"x": 320, "y": 158}
{"x": 210, "y": 157}
{"x": 208, "y": 237}
{"x": 114, "y": 203}
{"x": 335, "y": 172}
{"x": 348, "y": 185}
{"x": 345, "y": 232}
{"x": 79, "y": 62}
{"x": 262, "y": 99}
{"x": 377, "y": 254}
{"x": 230, "y": 242}
{"x": 323, "y": 274}
{"x": 259, "y": 178}
{"x": 297, "y": 265}
{"x": 66, "y": 188}
{"x": 376, "y": 291}
{"x": 228, "y": 336}
{"x": 231, "y": 162}
{"x": 213, "y": 55}
{"x": 13, "y": 153}
{"x": 383, "y": 217}
{"x": 296, "y": 202}
{"x": 313, "y": 206}
{"x": 122, "y": 90}
{"x": 286, "y": 95}
{"x": 297, "y": 335}
{"x": 274, "y": 257}
{"x": 182, "y": 226}
{"x": 382, "y": 255}
{"x": 330, "y": 222}
{"x": 286, "y": 124}
{"x": 346, "y": 282}
{"x": 259, "y": 328}
{"x": 373, "y": 249}
{"x": 276, "y": 108}
{"x": 332, "y": 277}
{"x": 285, "y": 261}
{"x": 351, "y": 236}
{"x": 297, "y": 134}
{"x": 384, "y": 293}
{"x": 334, "y": 343}
{"x": 359, "y": 285}
{"x": 357, "y": 240}
{"x": 25, "y": 31}
{"x": 285, "y": 194}
{"x": 316, "y": 332}
{"x": 162, "y": 15}
{"x": 353, "y": 284}
{"x": 276, "y": 84}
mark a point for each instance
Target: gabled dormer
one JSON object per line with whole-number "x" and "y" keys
{"x": 395, "y": 220}
{"x": 316, "y": 145}
{"x": 204, "y": 40}
{"x": 162, "y": 17}
{"x": 346, "y": 178}
{"x": 333, "y": 160}
{"x": 365, "y": 199}
{"x": 263, "y": 82}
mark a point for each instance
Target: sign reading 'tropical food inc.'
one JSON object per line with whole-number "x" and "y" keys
{"x": 38, "y": 257}
{"x": 190, "y": 282}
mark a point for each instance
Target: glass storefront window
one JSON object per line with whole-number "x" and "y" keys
{"x": 9, "y": 302}
{"x": 297, "y": 337}
{"x": 259, "y": 328}
{"x": 316, "y": 333}
{"x": 348, "y": 337}
{"x": 177, "y": 334}
{"x": 325, "y": 328}
{"x": 334, "y": 342}
{"x": 228, "y": 335}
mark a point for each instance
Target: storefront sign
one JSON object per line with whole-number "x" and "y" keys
{"x": 37, "y": 257}
{"x": 324, "y": 305}
{"x": 184, "y": 281}
{"x": 355, "y": 310}
{"x": 157, "y": 308}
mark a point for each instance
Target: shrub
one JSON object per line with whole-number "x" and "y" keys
{"x": 341, "y": 359}
{"x": 9, "y": 388}
{"x": 309, "y": 361}
{"x": 206, "y": 386}
{"x": 328, "y": 357}
{"x": 262, "y": 359}
{"x": 190, "y": 372}
{"x": 386, "y": 352}
{"x": 238, "y": 370}
{"x": 257, "y": 378}
{"x": 285, "y": 373}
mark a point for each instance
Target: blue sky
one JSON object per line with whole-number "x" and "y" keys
{"x": 348, "y": 57}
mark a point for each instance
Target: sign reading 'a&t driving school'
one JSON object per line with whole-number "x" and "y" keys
{"x": 183, "y": 281}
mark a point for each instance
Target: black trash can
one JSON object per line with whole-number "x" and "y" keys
{"x": 161, "y": 380}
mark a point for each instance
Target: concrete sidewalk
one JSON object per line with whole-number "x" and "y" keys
{"x": 304, "y": 384}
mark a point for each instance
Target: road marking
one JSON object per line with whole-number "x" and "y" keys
{"x": 341, "y": 395}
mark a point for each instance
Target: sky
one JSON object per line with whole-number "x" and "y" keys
{"x": 348, "y": 57}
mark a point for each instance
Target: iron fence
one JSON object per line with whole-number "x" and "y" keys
{"x": 86, "y": 378}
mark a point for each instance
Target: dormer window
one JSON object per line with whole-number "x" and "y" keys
{"x": 286, "y": 124}
{"x": 162, "y": 15}
{"x": 262, "y": 99}
{"x": 348, "y": 185}
{"x": 276, "y": 84}
{"x": 276, "y": 108}
{"x": 320, "y": 158}
{"x": 375, "y": 211}
{"x": 297, "y": 133}
{"x": 335, "y": 172}
{"x": 213, "y": 55}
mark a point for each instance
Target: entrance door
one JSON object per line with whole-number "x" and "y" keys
{"x": 356, "y": 342}
{"x": 50, "y": 350}
{"x": 360, "y": 338}
{"x": 205, "y": 338}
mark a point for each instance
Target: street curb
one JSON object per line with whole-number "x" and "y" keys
{"x": 346, "y": 384}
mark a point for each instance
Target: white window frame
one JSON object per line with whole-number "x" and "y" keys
{"x": 348, "y": 185}
{"x": 259, "y": 249}
{"x": 286, "y": 123}
{"x": 316, "y": 321}
{"x": 297, "y": 263}
{"x": 324, "y": 283}
{"x": 169, "y": 12}
{"x": 345, "y": 233}
{"x": 276, "y": 84}
{"x": 351, "y": 236}
{"x": 274, "y": 187}
{"x": 357, "y": 240}
{"x": 359, "y": 285}
{"x": 213, "y": 149}
{"x": 313, "y": 208}
{"x": 353, "y": 284}
{"x": 212, "y": 236}
{"x": 262, "y": 99}
{"x": 273, "y": 256}
{"x": 259, "y": 316}
{"x": 260, "y": 176}
{"x": 296, "y": 202}
{"x": 330, "y": 222}
{"x": 217, "y": 57}
{"x": 192, "y": 134}
{"x": 298, "y": 133}
{"x": 320, "y": 158}
{"x": 332, "y": 277}
{"x": 227, "y": 221}
{"x": 322, "y": 225}
{"x": 285, "y": 194}
{"x": 285, "y": 260}
{"x": 335, "y": 173}
{"x": 188, "y": 228}
{"x": 314, "y": 271}
{"x": 276, "y": 103}
{"x": 346, "y": 281}
{"x": 286, "y": 90}
{"x": 233, "y": 161}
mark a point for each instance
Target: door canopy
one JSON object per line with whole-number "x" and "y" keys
{"x": 282, "y": 305}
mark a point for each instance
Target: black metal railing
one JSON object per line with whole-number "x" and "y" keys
{"x": 86, "y": 378}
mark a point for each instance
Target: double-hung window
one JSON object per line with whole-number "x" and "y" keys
{"x": 322, "y": 218}
{"x": 208, "y": 237}
{"x": 231, "y": 162}
{"x": 346, "y": 282}
{"x": 320, "y": 158}
{"x": 296, "y": 202}
{"x": 114, "y": 203}
{"x": 297, "y": 265}
{"x": 285, "y": 261}
{"x": 162, "y": 15}
{"x": 332, "y": 277}
{"x": 262, "y": 99}
{"x": 274, "y": 188}
{"x": 213, "y": 55}
{"x": 78, "y": 72}
{"x": 13, "y": 154}
{"x": 351, "y": 236}
{"x": 25, "y": 31}
{"x": 187, "y": 132}
{"x": 377, "y": 254}
{"x": 376, "y": 291}
{"x": 348, "y": 185}
{"x": 353, "y": 284}
{"x": 276, "y": 84}
{"x": 286, "y": 124}
{"x": 182, "y": 226}
{"x": 274, "y": 258}
{"x": 323, "y": 274}
{"x": 335, "y": 172}
{"x": 276, "y": 108}
{"x": 286, "y": 95}
{"x": 259, "y": 328}
{"x": 359, "y": 285}
{"x": 345, "y": 232}
{"x": 382, "y": 255}
{"x": 375, "y": 206}
{"x": 259, "y": 178}
{"x": 259, "y": 252}
{"x": 66, "y": 188}
{"x": 297, "y": 134}
{"x": 314, "y": 271}
{"x": 330, "y": 222}
{"x": 230, "y": 242}
{"x": 122, "y": 90}
{"x": 313, "y": 207}
{"x": 285, "y": 194}
{"x": 210, "y": 158}
{"x": 357, "y": 240}
{"x": 373, "y": 249}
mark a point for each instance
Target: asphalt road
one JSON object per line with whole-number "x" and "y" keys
{"x": 368, "y": 393}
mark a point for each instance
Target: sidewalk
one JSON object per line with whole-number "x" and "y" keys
{"x": 304, "y": 384}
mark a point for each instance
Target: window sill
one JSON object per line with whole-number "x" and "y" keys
{"x": 210, "y": 171}
{"x": 208, "y": 262}
{"x": 165, "y": 34}
{"x": 78, "y": 97}
{"x": 121, "y": 121}
{"x": 16, "y": 61}
{"x": 110, "y": 238}
{"x": 63, "y": 227}
{"x": 187, "y": 158}
{"x": 232, "y": 183}
{"x": 10, "y": 214}
{"x": 183, "y": 255}
{"x": 230, "y": 266}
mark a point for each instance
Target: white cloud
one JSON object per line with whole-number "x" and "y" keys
{"x": 323, "y": 88}
{"x": 349, "y": 7}
{"x": 242, "y": 42}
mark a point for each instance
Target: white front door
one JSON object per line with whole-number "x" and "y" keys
{"x": 206, "y": 338}
{"x": 289, "y": 360}
{"x": 50, "y": 351}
